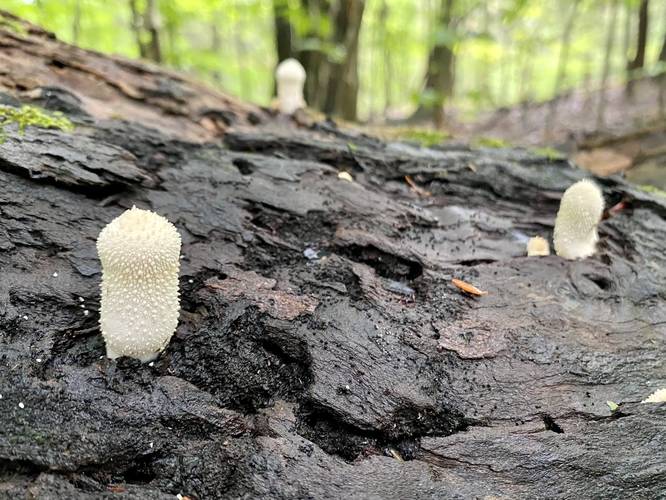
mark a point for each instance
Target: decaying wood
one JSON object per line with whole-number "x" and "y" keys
{"x": 322, "y": 350}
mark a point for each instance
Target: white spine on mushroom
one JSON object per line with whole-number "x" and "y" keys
{"x": 575, "y": 235}
{"x": 537, "y": 246}
{"x": 290, "y": 77}
{"x": 658, "y": 396}
{"x": 140, "y": 254}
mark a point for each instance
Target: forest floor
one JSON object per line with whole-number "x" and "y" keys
{"x": 631, "y": 138}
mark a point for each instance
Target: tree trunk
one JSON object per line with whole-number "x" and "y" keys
{"x": 662, "y": 80}
{"x": 342, "y": 90}
{"x": 322, "y": 350}
{"x": 439, "y": 78}
{"x": 386, "y": 58}
{"x": 283, "y": 30}
{"x": 562, "y": 61}
{"x": 151, "y": 22}
{"x": 310, "y": 53}
{"x": 76, "y": 22}
{"x": 638, "y": 62}
{"x": 137, "y": 24}
{"x": 610, "y": 37}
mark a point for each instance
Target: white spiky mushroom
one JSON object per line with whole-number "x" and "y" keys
{"x": 658, "y": 396}
{"x": 140, "y": 255}
{"x": 537, "y": 247}
{"x": 581, "y": 208}
{"x": 290, "y": 77}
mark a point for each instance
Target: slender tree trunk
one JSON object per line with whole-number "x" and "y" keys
{"x": 561, "y": 69}
{"x": 638, "y": 62}
{"x": 626, "y": 41}
{"x": 76, "y": 22}
{"x": 283, "y": 35}
{"x": 342, "y": 92}
{"x": 439, "y": 77}
{"x": 136, "y": 28}
{"x": 151, "y": 22}
{"x": 237, "y": 30}
{"x": 662, "y": 81}
{"x": 387, "y": 62}
{"x": 610, "y": 36}
{"x": 171, "y": 55}
{"x": 310, "y": 54}
{"x": 216, "y": 43}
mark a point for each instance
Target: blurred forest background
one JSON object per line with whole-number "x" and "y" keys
{"x": 382, "y": 61}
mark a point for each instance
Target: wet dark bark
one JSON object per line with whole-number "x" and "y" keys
{"x": 322, "y": 351}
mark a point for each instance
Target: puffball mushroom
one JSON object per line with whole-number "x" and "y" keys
{"x": 575, "y": 235}
{"x": 537, "y": 246}
{"x": 658, "y": 396}
{"x": 140, "y": 255}
{"x": 290, "y": 77}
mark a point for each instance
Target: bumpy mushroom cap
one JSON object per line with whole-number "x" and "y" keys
{"x": 290, "y": 76}
{"x": 658, "y": 396}
{"x": 140, "y": 254}
{"x": 537, "y": 246}
{"x": 580, "y": 211}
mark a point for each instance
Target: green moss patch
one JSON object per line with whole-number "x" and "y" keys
{"x": 32, "y": 116}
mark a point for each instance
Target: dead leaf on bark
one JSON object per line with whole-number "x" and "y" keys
{"x": 468, "y": 288}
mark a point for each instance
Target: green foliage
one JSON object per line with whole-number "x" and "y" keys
{"x": 32, "y": 116}
{"x": 550, "y": 153}
{"x": 490, "y": 142}
{"x": 423, "y": 136}
{"x": 505, "y": 49}
{"x": 653, "y": 190}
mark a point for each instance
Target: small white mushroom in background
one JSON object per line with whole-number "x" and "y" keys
{"x": 290, "y": 78}
{"x": 658, "y": 396}
{"x": 345, "y": 176}
{"x": 139, "y": 251}
{"x": 581, "y": 208}
{"x": 537, "y": 246}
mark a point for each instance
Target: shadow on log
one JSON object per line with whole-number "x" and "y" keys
{"x": 322, "y": 351}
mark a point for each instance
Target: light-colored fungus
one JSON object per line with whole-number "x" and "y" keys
{"x": 345, "y": 176}
{"x": 581, "y": 208}
{"x": 658, "y": 396}
{"x": 537, "y": 246}
{"x": 290, "y": 77}
{"x": 139, "y": 251}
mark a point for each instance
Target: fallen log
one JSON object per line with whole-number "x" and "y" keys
{"x": 322, "y": 350}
